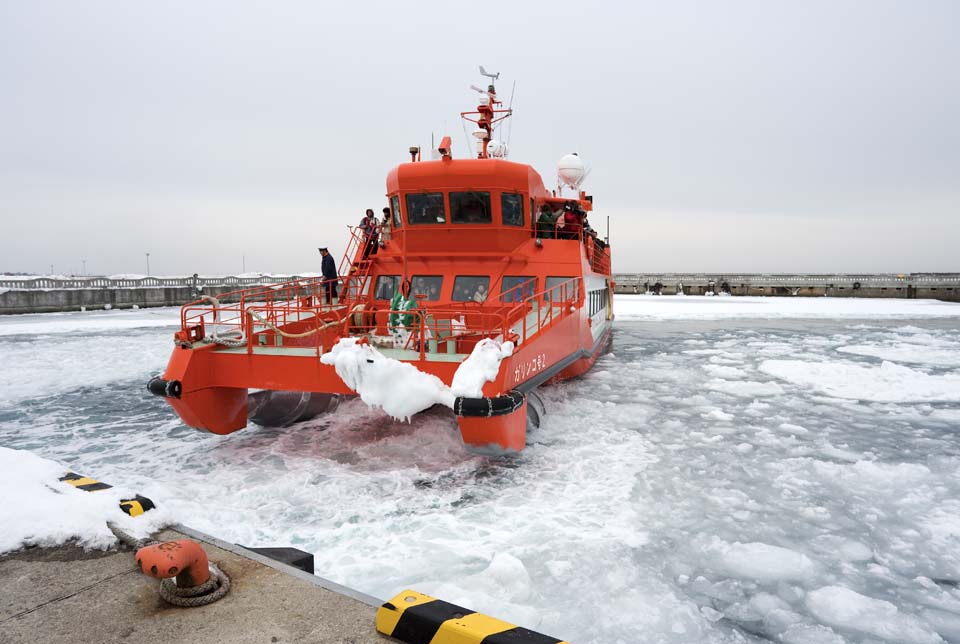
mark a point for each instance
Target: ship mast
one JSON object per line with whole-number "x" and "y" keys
{"x": 486, "y": 115}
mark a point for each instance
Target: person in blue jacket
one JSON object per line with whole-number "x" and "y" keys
{"x": 329, "y": 270}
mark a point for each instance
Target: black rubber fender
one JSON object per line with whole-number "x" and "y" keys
{"x": 484, "y": 407}
{"x": 535, "y": 411}
{"x": 166, "y": 388}
{"x": 856, "y": 286}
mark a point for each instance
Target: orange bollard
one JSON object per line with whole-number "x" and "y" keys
{"x": 183, "y": 559}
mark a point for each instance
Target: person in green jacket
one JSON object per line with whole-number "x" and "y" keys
{"x": 402, "y": 301}
{"x": 546, "y": 223}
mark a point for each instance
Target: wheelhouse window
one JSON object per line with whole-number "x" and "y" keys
{"x": 470, "y": 208}
{"x": 386, "y": 286}
{"x": 471, "y": 288}
{"x": 511, "y": 207}
{"x": 395, "y": 207}
{"x": 560, "y": 289}
{"x": 428, "y": 285}
{"x": 426, "y": 208}
{"x": 517, "y": 288}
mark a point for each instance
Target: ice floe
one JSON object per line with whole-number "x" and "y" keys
{"x": 888, "y": 382}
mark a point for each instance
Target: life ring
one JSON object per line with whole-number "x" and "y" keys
{"x": 485, "y": 407}
{"x": 856, "y": 286}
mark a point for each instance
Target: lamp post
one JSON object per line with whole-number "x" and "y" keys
{"x": 148, "y": 264}
{"x": 84, "y": 271}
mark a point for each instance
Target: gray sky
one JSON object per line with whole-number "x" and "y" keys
{"x": 723, "y": 136}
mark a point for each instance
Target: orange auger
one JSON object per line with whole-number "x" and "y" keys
{"x": 198, "y": 581}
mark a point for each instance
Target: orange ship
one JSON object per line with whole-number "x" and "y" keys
{"x": 473, "y": 253}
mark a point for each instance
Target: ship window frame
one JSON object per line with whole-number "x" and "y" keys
{"x": 471, "y": 298}
{"x": 548, "y": 288}
{"x": 425, "y": 194}
{"x": 378, "y": 287}
{"x": 519, "y": 202}
{"x": 456, "y": 210}
{"x": 413, "y": 286}
{"x": 395, "y": 206}
{"x": 527, "y": 286}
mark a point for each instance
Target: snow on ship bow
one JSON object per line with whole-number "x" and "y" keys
{"x": 479, "y": 285}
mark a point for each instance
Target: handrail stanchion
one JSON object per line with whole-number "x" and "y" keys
{"x": 249, "y": 322}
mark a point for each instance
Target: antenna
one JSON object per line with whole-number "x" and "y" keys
{"x": 492, "y": 77}
{"x": 478, "y": 90}
{"x": 510, "y": 110}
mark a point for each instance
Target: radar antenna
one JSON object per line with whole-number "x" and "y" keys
{"x": 492, "y": 77}
{"x": 487, "y": 115}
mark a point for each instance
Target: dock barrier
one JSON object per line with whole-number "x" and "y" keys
{"x": 134, "y": 507}
{"x": 416, "y": 618}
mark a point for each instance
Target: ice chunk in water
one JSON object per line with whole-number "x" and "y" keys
{"x": 846, "y": 609}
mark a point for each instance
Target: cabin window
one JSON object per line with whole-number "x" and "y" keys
{"x": 387, "y": 285}
{"x": 598, "y": 301}
{"x": 426, "y": 208}
{"x": 511, "y": 207}
{"x": 395, "y": 207}
{"x": 470, "y": 208}
{"x": 562, "y": 289}
{"x": 469, "y": 288}
{"x": 517, "y": 288}
{"x": 428, "y": 285}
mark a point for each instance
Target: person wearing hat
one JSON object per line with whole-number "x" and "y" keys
{"x": 572, "y": 221}
{"x": 368, "y": 229}
{"x": 329, "y": 270}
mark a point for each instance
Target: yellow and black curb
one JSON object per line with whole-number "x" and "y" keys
{"x": 416, "y": 618}
{"x": 134, "y": 507}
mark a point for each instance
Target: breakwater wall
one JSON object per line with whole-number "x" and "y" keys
{"x": 50, "y": 294}
{"x": 937, "y": 286}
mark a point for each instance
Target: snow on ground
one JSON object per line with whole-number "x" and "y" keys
{"x": 699, "y": 307}
{"x": 677, "y": 493}
{"x": 49, "y": 512}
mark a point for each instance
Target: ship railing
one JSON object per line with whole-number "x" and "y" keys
{"x": 598, "y": 253}
{"x": 226, "y": 315}
{"x": 295, "y": 314}
{"x": 456, "y": 328}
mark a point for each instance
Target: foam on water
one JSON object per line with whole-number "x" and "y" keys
{"x": 679, "y": 492}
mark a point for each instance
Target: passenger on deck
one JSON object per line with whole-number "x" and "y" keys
{"x": 329, "y": 270}
{"x": 385, "y": 227}
{"x": 368, "y": 228}
{"x": 546, "y": 223}
{"x": 572, "y": 221}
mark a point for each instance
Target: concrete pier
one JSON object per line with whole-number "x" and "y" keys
{"x": 66, "y": 594}
{"x": 49, "y": 294}
{"x": 937, "y": 286}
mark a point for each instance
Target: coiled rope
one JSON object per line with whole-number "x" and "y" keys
{"x": 208, "y": 592}
{"x": 259, "y": 318}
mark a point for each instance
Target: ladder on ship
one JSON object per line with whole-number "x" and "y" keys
{"x": 354, "y": 271}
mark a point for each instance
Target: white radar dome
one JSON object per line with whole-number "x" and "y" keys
{"x": 571, "y": 170}
{"x": 497, "y": 149}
